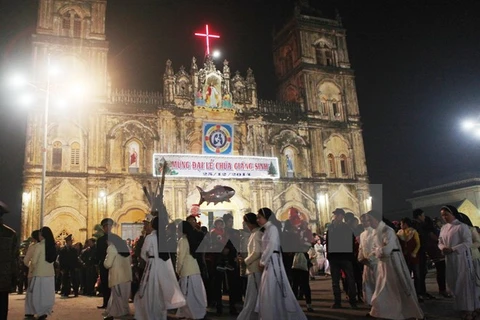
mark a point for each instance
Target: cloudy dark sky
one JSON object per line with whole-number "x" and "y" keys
{"x": 416, "y": 63}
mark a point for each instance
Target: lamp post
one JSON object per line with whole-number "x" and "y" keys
{"x": 20, "y": 81}
{"x": 45, "y": 144}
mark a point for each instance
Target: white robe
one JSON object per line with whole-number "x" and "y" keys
{"x": 394, "y": 296}
{"x": 159, "y": 290}
{"x": 117, "y": 305}
{"x": 42, "y": 291}
{"x": 196, "y": 296}
{"x": 251, "y": 296}
{"x": 275, "y": 297}
{"x": 365, "y": 252}
{"x": 460, "y": 275}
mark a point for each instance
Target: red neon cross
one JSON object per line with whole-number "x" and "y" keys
{"x": 207, "y": 37}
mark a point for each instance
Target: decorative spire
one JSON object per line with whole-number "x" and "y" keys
{"x": 169, "y": 68}
{"x": 226, "y": 68}
{"x": 337, "y": 16}
{"x": 193, "y": 67}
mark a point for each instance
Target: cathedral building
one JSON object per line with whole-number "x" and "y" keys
{"x": 301, "y": 155}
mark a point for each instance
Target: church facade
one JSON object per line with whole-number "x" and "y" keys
{"x": 301, "y": 155}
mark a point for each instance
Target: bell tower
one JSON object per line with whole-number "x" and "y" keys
{"x": 72, "y": 34}
{"x": 313, "y": 69}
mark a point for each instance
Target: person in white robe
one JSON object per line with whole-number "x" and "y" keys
{"x": 159, "y": 290}
{"x": 394, "y": 296}
{"x": 118, "y": 263}
{"x": 322, "y": 262}
{"x": 275, "y": 297}
{"x": 252, "y": 260}
{"x": 368, "y": 259}
{"x": 191, "y": 282}
{"x": 27, "y": 260}
{"x": 42, "y": 287}
{"x": 455, "y": 242}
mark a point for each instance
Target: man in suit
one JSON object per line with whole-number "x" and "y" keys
{"x": 102, "y": 245}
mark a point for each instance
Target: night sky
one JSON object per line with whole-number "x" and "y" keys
{"x": 417, "y": 66}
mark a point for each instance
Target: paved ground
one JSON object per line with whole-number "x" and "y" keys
{"x": 83, "y": 308}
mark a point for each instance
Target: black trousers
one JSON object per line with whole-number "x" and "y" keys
{"x": 336, "y": 266}
{"x": 358, "y": 275}
{"x": 422, "y": 273}
{"x": 441, "y": 268}
{"x": 90, "y": 280}
{"x": 234, "y": 292}
{"x": 3, "y": 305}
{"x": 104, "y": 285}
{"x": 300, "y": 278}
{"x": 69, "y": 281}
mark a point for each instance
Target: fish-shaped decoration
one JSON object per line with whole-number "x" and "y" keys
{"x": 216, "y": 195}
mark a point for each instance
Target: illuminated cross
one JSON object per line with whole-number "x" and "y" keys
{"x": 207, "y": 37}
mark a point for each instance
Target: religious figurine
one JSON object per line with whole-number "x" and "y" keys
{"x": 289, "y": 164}
{"x": 212, "y": 97}
{"x": 227, "y": 100}
{"x": 199, "y": 101}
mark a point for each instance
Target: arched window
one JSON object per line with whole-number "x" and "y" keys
{"x": 343, "y": 165}
{"x": 72, "y": 24}
{"x": 336, "y": 111}
{"x": 75, "y": 154}
{"x": 328, "y": 57}
{"x": 324, "y": 55}
{"x": 77, "y": 26}
{"x": 57, "y": 155}
{"x": 331, "y": 164}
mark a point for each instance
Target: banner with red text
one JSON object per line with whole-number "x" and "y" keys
{"x": 207, "y": 166}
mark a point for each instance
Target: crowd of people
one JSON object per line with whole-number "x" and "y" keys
{"x": 266, "y": 267}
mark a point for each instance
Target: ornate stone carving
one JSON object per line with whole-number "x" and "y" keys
{"x": 136, "y": 97}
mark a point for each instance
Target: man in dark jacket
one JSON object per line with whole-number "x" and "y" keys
{"x": 8, "y": 261}
{"x": 102, "y": 245}
{"x": 68, "y": 261}
{"x": 340, "y": 254}
{"x": 88, "y": 258}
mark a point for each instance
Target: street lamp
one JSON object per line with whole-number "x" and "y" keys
{"x": 18, "y": 81}
{"x": 472, "y": 126}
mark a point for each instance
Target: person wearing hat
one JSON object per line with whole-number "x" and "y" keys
{"x": 8, "y": 264}
{"x": 68, "y": 261}
{"x": 340, "y": 242}
{"x": 102, "y": 245}
{"x": 392, "y": 281}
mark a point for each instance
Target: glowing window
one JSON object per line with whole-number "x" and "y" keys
{"x": 75, "y": 154}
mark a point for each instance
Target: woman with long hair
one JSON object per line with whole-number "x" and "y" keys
{"x": 118, "y": 264}
{"x": 191, "y": 282}
{"x": 42, "y": 287}
{"x": 27, "y": 260}
{"x": 275, "y": 297}
{"x": 159, "y": 290}
{"x": 252, "y": 260}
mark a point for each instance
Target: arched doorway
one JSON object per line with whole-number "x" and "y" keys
{"x": 129, "y": 224}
